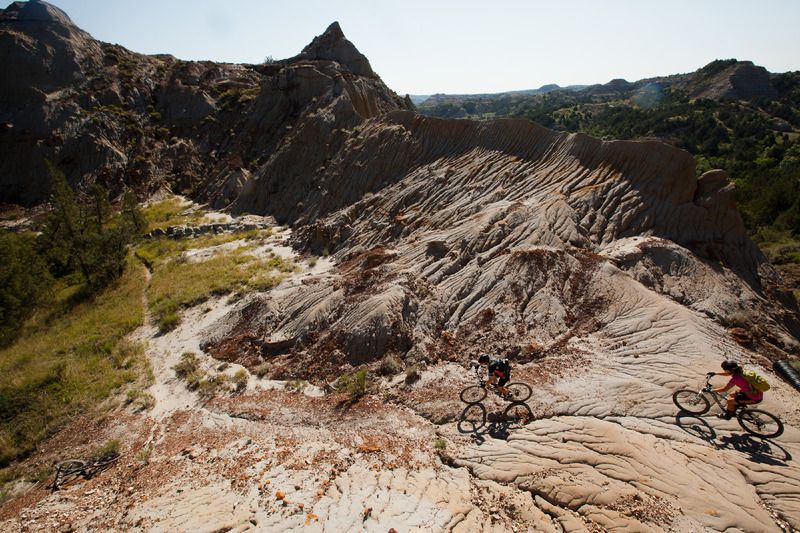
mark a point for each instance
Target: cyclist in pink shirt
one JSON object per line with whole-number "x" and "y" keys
{"x": 746, "y": 393}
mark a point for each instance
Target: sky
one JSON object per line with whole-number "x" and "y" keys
{"x": 443, "y": 46}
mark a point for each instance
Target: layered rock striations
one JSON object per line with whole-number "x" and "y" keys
{"x": 607, "y": 271}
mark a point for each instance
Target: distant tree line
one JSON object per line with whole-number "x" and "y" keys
{"x": 753, "y": 140}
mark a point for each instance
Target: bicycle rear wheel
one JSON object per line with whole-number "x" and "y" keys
{"x": 472, "y": 418}
{"x": 473, "y": 394}
{"x": 760, "y": 423}
{"x": 518, "y": 391}
{"x": 691, "y": 401}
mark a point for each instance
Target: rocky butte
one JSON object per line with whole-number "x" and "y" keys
{"x": 606, "y": 271}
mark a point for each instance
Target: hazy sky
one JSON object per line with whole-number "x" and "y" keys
{"x": 424, "y": 47}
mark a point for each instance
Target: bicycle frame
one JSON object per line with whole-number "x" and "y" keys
{"x": 483, "y": 380}
{"x": 719, "y": 398}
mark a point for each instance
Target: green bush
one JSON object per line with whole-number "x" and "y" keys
{"x": 141, "y": 400}
{"x": 188, "y": 365}
{"x": 389, "y": 366}
{"x": 24, "y": 282}
{"x": 356, "y": 384}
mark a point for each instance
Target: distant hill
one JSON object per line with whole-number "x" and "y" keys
{"x": 728, "y": 114}
{"x": 440, "y": 98}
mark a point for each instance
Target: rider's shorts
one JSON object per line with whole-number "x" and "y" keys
{"x": 743, "y": 397}
{"x": 502, "y": 381}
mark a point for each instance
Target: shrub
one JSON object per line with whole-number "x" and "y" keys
{"x": 439, "y": 443}
{"x": 356, "y": 384}
{"x": 168, "y": 321}
{"x": 412, "y": 375}
{"x": 108, "y": 450}
{"x": 208, "y": 388}
{"x": 143, "y": 455}
{"x": 141, "y": 400}
{"x": 262, "y": 370}
{"x": 389, "y": 366}
{"x": 240, "y": 379}
{"x": 297, "y": 385}
{"x": 188, "y": 365}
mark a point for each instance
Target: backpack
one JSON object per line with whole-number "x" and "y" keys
{"x": 504, "y": 366}
{"x": 756, "y": 382}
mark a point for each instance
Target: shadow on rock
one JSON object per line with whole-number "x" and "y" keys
{"x": 475, "y": 420}
{"x": 758, "y": 450}
{"x": 696, "y": 427}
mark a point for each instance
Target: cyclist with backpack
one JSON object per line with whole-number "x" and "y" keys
{"x": 751, "y": 387}
{"x": 499, "y": 372}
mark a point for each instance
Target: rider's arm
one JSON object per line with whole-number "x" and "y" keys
{"x": 725, "y": 388}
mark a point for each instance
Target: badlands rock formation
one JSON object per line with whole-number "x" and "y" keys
{"x": 606, "y": 271}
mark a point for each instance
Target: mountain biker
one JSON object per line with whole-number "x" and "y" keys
{"x": 746, "y": 394}
{"x": 499, "y": 372}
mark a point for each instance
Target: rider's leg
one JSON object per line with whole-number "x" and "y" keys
{"x": 501, "y": 386}
{"x": 736, "y": 399}
{"x": 730, "y": 407}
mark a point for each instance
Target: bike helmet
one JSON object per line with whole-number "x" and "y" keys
{"x": 730, "y": 365}
{"x": 483, "y": 359}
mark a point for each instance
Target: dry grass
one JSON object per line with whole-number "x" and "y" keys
{"x": 171, "y": 212}
{"x": 177, "y": 284}
{"x": 67, "y": 361}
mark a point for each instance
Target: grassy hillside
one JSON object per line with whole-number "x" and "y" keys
{"x": 69, "y": 358}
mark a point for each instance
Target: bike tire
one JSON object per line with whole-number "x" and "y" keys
{"x": 67, "y": 472}
{"x": 473, "y": 394}
{"x": 690, "y": 401}
{"x": 760, "y": 423}
{"x": 518, "y": 412}
{"x": 518, "y": 391}
{"x": 472, "y": 418}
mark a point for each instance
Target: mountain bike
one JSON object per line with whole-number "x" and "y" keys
{"x": 755, "y": 421}
{"x": 70, "y": 470}
{"x": 517, "y": 391}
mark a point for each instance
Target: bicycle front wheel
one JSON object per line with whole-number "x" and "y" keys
{"x": 760, "y": 423}
{"x": 518, "y": 391}
{"x": 691, "y": 401}
{"x": 473, "y": 394}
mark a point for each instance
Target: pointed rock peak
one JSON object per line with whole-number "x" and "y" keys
{"x": 334, "y": 46}
{"x": 334, "y": 30}
{"x": 35, "y": 11}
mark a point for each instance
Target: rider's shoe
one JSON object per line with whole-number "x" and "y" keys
{"x": 726, "y": 415}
